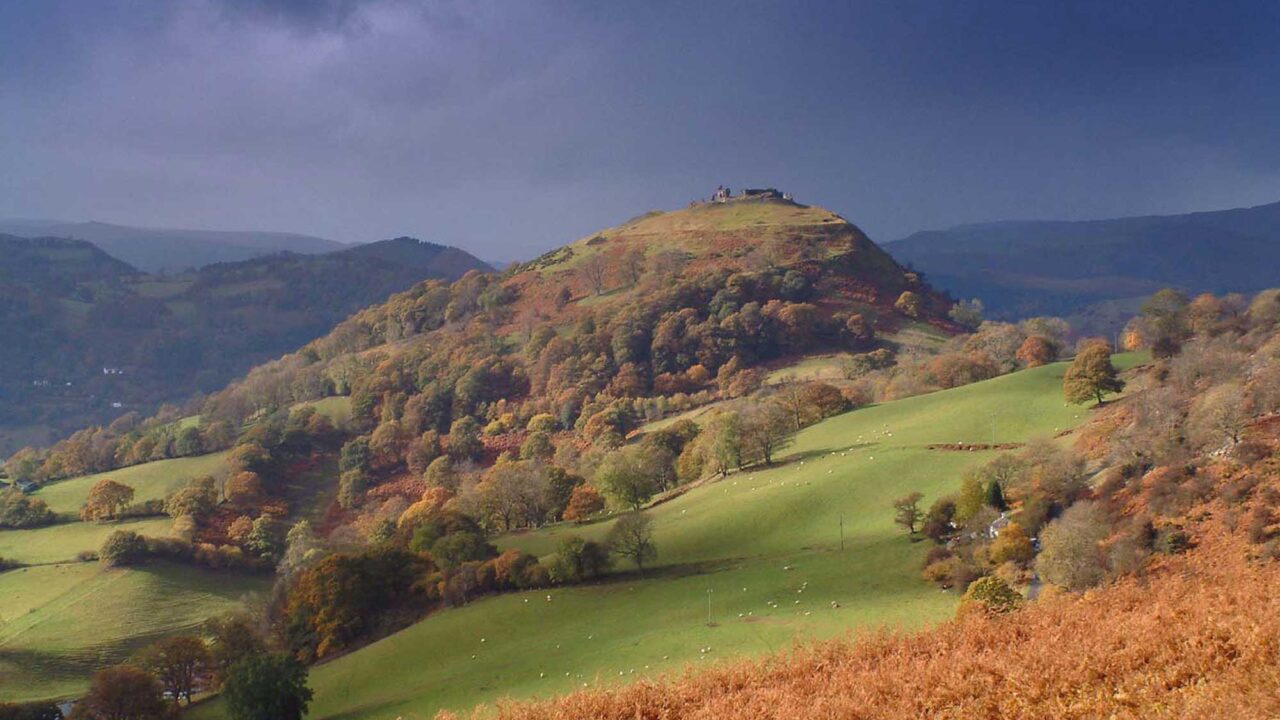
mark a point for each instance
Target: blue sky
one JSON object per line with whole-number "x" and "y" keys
{"x": 510, "y": 127}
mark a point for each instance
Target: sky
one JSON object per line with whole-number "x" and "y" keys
{"x": 508, "y": 128}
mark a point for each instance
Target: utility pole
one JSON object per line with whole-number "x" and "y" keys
{"x": 842, "y": 531}
{"x": 709, "y": 623}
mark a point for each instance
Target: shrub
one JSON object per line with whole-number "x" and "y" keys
{"x": 123, "y": 548}
{"x": 579, "y": 560}
{"x": 991, "y": 595}
{"x": 18, "y": 510}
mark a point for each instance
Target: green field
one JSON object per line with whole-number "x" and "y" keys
{"x": 336, "y": 408}
{"x": 61, "y": 543}
{"x": 731, "y": 541}
{"x": 58, "y": 623}
{"x": 150, "y": 481}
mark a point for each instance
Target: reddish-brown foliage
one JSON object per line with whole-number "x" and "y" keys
{"x": 1200, "y": 640}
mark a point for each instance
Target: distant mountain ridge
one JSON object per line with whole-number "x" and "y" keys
{"x": 85, "y": 331}
{"x": 1022, "y": 268}
{"x": 161, "y": 250}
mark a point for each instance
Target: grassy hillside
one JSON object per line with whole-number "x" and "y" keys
{"x": 150, "y": 481}
{"x": 61, "y": 543}
{"x": 60, "y": 622}
{"x": 763, "y": 545}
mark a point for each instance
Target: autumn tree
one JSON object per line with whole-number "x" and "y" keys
{"x": 971, "y": 497}
{"x": 1091, "y": 376}
{"x": 267, "y": 687}
{"x": 107, "y": 498}
{"x": 909, "y": 304}
{"x": 1035, "y": 351}
{"x": 537, "y": 446}
{"x": 177, "y": 662}
{"x": 123, "y": 548}
{"x": 583, "y": 503}
{"x": 594, "y": 268}
{"x": 992, "y": 595}
{"x": 907, "y": 511}
{"x": 243, "y": 489}
{"x": 19, "y": 510}
{"x": 197, "y": 499}
{"x": 464, "y": 439}
{"x": 1219, "y": 415}
{"x": 1071, "y": 547}
{"x": 1165, "y": 321}
{"x": 766, "y": 429}
{"x": 124, "y": 692}
{"x": 937, "y": 523}
{"x": 632, "y": 537}
{"x": 1012, "y": 545}
{"x": 632, "y": 264}
{"x": 967, "y": 313}
{"x": 441, "y": 474}
{"x": 232, "y": 638}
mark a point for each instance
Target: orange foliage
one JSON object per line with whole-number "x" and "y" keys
{"x": 1200, "y": 640}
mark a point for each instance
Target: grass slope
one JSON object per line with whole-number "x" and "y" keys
{"x": 58, "y": 623}
{"x": 61, "y": 543}
{"x": 729, "y": 541}
{"x": 150, "y": 481}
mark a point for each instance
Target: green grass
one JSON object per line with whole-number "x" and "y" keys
{"x": 58, "y": 623}
{"x": 61, "y": 543}
{"x": 336, "y": 408}
{"x": 816, "y": 367}
{"x": 154, "y": 480}
{"x": 733, "y": 538}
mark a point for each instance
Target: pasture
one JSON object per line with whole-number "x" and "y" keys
{"x": 150, "y": 481}
{"x": 58, "y": 623}
{"x": 748, "y": 564}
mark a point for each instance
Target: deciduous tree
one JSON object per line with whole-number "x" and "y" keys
{"x": 267, "y": 687}
{"x": 1091, "y": 376}
{"x": 124, "y": 692}
{"x": 106, "y": 499}
{"x": 177, "y": 662}
{"x": 632, "y": 537}
{"x": 907, "y": 511}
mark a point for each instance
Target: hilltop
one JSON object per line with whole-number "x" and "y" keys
{"x": 1097, "y": 270}
{"x": 743, "y": 235}
{"x": 168, "y": 250}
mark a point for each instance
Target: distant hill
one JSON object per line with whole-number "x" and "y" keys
{"x": 166, "y": 250}
{"x": 667, "y": 303}
{"x": 1094, "y": 269}
{"x": 84, "y": 331}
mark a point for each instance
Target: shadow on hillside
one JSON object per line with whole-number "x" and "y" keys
{"x": 669, "y": 572}
{"x": 796, "y": 457}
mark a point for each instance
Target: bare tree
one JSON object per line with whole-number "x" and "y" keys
{"x": 633, "y": 265}
{"x": 595, "y": 269}
{"x": 766, "y": 429}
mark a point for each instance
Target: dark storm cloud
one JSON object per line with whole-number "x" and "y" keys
{"x": 508, "y": 127}
{"x": 310, "y": 15}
